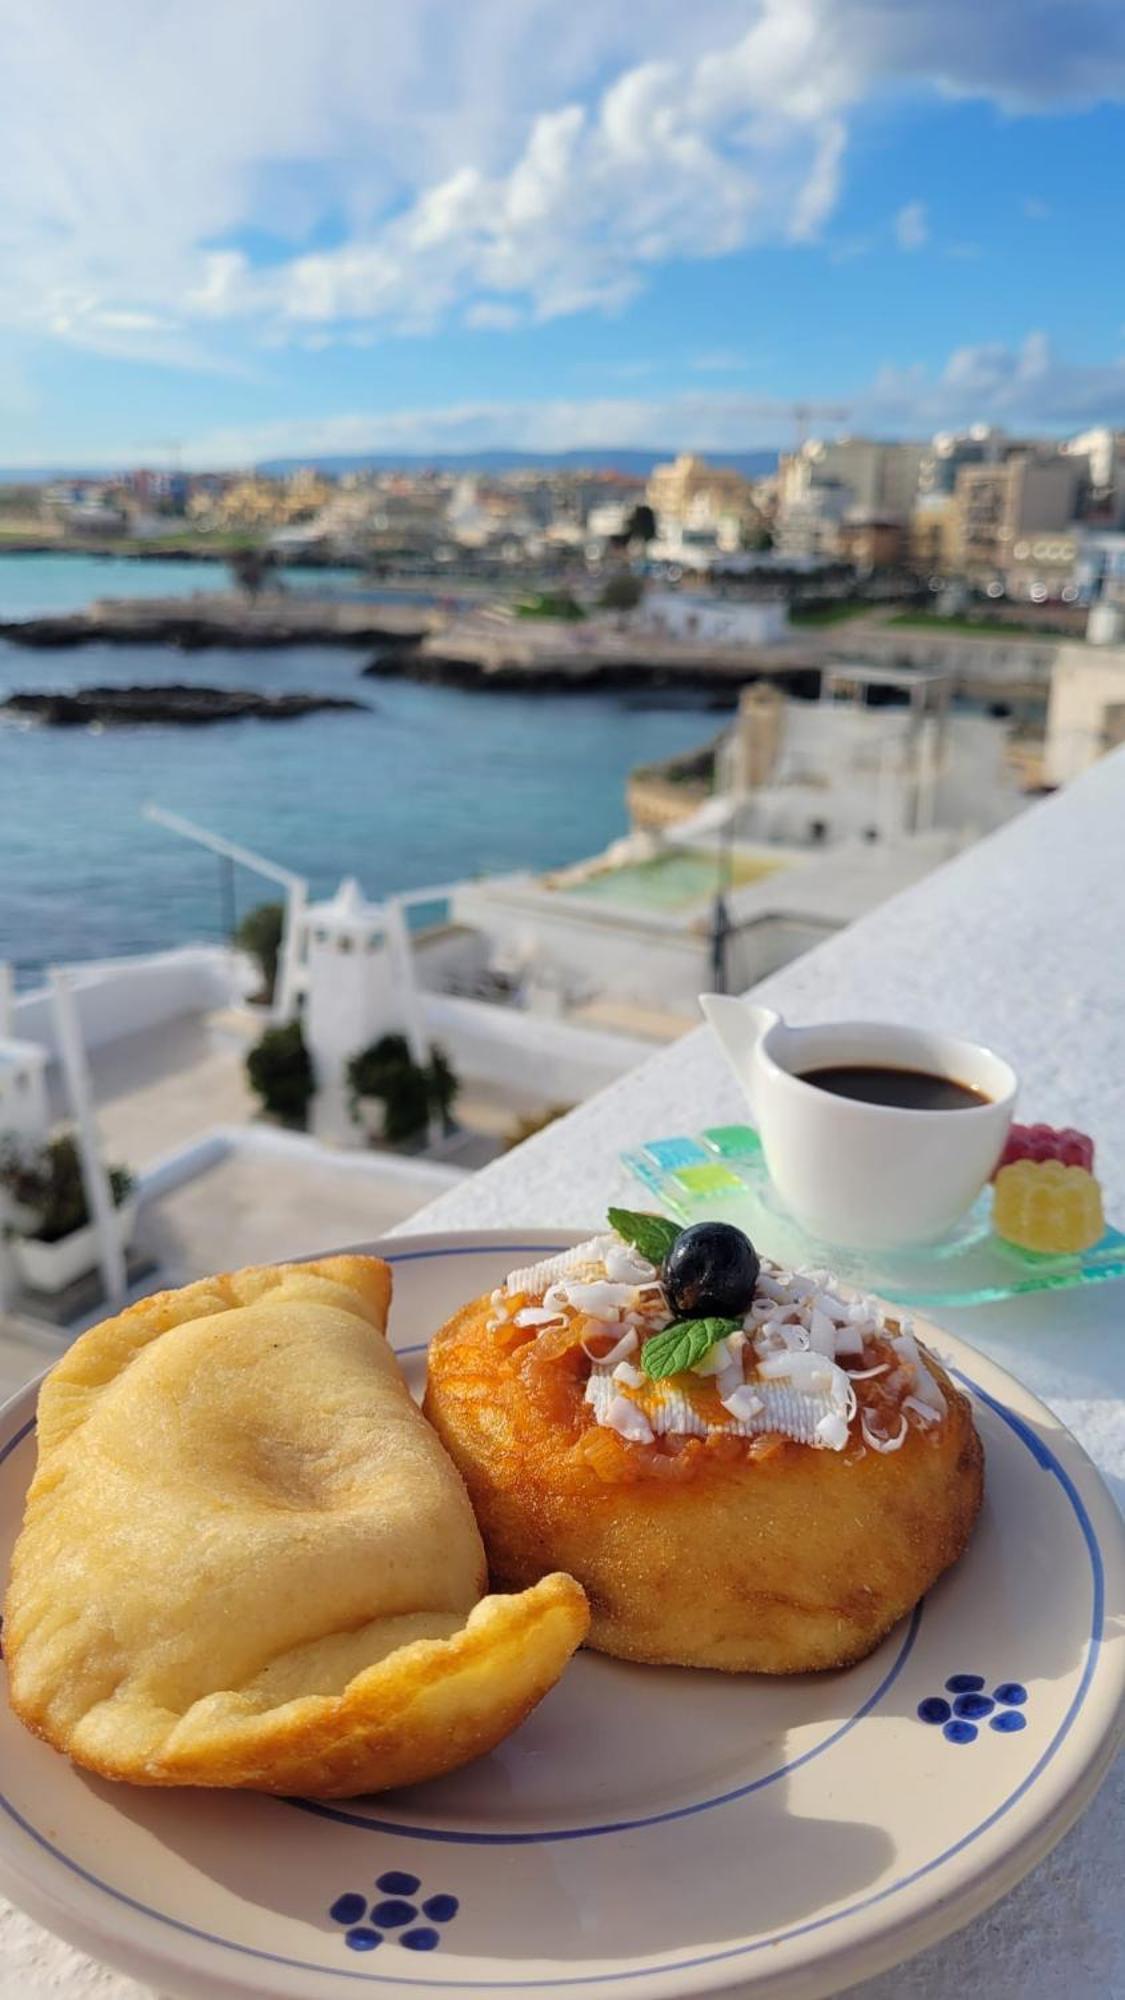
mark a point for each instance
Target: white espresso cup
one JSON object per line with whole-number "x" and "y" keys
{"x": 869, "y": 1176}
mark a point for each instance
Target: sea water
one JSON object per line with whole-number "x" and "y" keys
{"x": 54, "y": 582}
{"x": 427, "y": 785}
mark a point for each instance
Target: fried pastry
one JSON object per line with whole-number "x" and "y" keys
{"x": 744, "y": 1468}
{"x": 247, "y": 1561}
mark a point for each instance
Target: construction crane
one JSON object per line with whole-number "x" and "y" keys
{"x": 803, "y": 414}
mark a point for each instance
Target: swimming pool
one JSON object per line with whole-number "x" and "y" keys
{"x": 671, "y": 881}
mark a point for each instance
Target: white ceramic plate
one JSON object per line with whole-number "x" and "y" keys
{"x": 649, "y": 1833}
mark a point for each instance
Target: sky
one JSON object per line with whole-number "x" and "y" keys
{"x": 278, "y": 227}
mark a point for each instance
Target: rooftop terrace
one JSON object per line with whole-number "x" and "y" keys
{"x": 1017, "y": 942}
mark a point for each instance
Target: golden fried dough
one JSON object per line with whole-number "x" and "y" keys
{"x": 247, "y": 1561}
{"x": 768, "y": 1560}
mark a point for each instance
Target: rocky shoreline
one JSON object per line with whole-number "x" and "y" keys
{"x": 719, "y": 680}
{"x": 172, "y": 702}
{"x": 192, "y": 625}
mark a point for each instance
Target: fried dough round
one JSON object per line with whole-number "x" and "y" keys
{"x": 776, "y": 1562}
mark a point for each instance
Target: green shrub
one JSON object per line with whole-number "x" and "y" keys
{"x": 48, "y": 1180}
{"x": 259, "y": 934}
{"x": 411, "y": 1092}
{"x": 443, "y": 1085}
{"x": 550, "y": 604}
{"x": 280, "y": 1071}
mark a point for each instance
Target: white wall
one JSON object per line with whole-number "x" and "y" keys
{"x": 853, "y": 769}
{"x": 122, "y": 996}
{"x": 450, "y": 952}
{"x": 174, "y": 1170}
{"x": 23, "y": 1092}
{"x": 768, "y": 943}
{"x": 1083, "y": 685}
{"x": 723, "y": 621}
{"x": 548, "y": 1058}
{"x": 1001, "y": 661}
{"x": 591, "y": 951}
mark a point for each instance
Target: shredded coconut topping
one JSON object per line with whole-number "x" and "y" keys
{"x": 780, "y": 1372}
{"x": 536, "y": 1279}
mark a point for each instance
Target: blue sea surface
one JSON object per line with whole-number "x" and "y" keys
{"x": 32, "y": 586}
{"x": 429, "y": 786}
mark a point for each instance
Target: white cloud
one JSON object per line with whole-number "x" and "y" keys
{"x": 911, "y": 227}
{"x": 1024, "y": 386}
{"x": 492, "y": 315}
{"x": 297, "y": 168}
{"x": 853, "y": 247}
{"x": 672, "y": 161}
{"x": 718, "y": 361}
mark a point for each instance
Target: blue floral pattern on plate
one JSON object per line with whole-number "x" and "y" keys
{"x": 958, "y": 1719}
{"x": 396, "y": 1909}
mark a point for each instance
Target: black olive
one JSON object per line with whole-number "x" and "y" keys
{"x": 712, "y": 1268}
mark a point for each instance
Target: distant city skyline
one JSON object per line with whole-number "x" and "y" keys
{"x": 288, "y": 232}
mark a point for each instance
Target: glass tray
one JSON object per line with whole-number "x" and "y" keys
{"x": 722, "y": 1174}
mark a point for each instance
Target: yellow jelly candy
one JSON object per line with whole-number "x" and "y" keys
{"x": 1042, "y": 1205}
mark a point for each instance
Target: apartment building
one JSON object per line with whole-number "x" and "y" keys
{"x": 1000, "y": 505}
{"x": 881, "y": 477}
{"x": 689, "y": 488}
{"x": 872, "y": 543}
{"x": 981, "y": 444}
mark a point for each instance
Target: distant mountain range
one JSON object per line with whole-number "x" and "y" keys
{"x": 42, "y": 475}
{"x": 752, "y": 464}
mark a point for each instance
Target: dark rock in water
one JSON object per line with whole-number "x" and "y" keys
{"x": 228, "y": 623}
{"x": 169, "y": 703}
{"x": 48, "y": 631}
{"x": 689, "y": 683}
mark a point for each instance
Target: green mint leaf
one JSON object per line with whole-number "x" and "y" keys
{"x": 680, "y": 1346}
{"x": 652, "y": 1235}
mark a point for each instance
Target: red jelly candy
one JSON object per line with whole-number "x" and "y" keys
{"x": 1076, "y": 1149}
{"x": 1047, "y": 1142}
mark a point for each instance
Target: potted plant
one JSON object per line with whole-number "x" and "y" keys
{"x": 442, "y": 1083}
{"x": 280, "y": 1069}
{"x": 54, "y": 1241}
{"x": 394, "y": 1097}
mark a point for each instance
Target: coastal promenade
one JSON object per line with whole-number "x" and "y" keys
{"x": 491, "y": 648}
